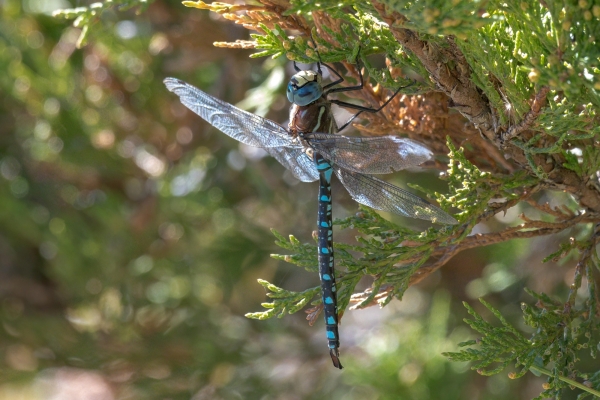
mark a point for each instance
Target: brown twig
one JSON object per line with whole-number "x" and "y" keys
{"x": 269, "y": 14}
{"x": 536, "y": 107}
{"x": 538, "y": 228}
{"x": 562, "y": 213}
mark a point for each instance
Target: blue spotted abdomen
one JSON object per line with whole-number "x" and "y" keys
{"x": 326, "y": 259}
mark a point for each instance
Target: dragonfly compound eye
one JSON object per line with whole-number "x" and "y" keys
{"x": 304, "y": 88}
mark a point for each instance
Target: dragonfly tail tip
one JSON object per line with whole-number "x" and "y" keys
{"x": 335, "y": 357}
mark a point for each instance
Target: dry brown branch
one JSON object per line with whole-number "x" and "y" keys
{"x": 323, "y": 19}
{"x": 313, "y": 313}
{"x": 269, "y": 13}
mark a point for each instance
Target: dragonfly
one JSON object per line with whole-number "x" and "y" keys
{"x": 311, "y": 149}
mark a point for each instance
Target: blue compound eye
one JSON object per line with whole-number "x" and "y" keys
{"x": 290, "y": 92}
{"x": 307, "y": 94}
{"x": 304, "y": 88}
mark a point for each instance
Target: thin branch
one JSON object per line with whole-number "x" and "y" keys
{"x": 536, "y": 107}
{"x": 526, "y": 230}
{"x": 523, "y": 231}
{"x": 562, "y": 213}
{"x": 527, "y": 193}
{"x": 565, "y": 379}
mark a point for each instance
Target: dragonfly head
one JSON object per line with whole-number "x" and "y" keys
{"x": 304, "y": 88}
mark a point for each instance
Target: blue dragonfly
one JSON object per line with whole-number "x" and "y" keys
{"x": 311, "y": 150}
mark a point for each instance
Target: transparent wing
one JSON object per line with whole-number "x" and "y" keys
{"x": 300, "y": 165}
{"x": 241, "y": 125}
{"x": 378, "y": 155}
{"x": 384, "y": 196}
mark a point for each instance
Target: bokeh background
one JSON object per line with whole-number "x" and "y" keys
{"x": 132, "y": 233}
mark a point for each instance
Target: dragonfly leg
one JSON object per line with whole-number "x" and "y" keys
{"x": 334, "y": 83}
{"x": 366, "y": 109}
{"x": 361, "y": 108}
{"x": 369, "y": 109}
{"x": 352, "y": 118}
{"x": 318, "y": 55}
{"x": 341, "y": 79}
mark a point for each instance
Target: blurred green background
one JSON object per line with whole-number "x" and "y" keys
{"x": 132, "y": 233}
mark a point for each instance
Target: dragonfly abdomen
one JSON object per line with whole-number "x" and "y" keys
{"x": 326, "y": 259}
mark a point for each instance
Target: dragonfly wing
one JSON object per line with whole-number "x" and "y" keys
{"x": 378, "y": 155}
{"x": 241, "y": 125}
{"x": 380, "y": 195}
{"x": 302, "y": 167}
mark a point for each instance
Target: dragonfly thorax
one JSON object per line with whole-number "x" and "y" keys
{"x": 304, "y": 88}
